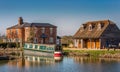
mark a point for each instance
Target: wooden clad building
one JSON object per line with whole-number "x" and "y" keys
{"x": 97, "y": 35}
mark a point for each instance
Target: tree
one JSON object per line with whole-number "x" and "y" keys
{"x": 2, "y": 37}
{"x": 66, "y": 40}
{"x": 30, "y": 39}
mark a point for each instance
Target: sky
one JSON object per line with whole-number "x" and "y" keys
{"x": 67, "y": 15}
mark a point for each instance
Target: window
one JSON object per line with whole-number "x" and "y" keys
{"x": 99, "y": 26}
{"x": 90, "y": 27}
{"x": 17, "y": 40}
{"x": 82, "y": 28}
{"x": 51, "y": 40}
{"x": 26, "y": 29}
{"x": 35, "y": 29}
{"x": 35, "y": 40}
{"x": 51, "y": 31}
{"x": 43, "y": 30}
{"x": 10, "y": 31}
{"x": 9, "y": 40}
{"x": 42, "y": 41}
{"x": 16, "y": 31}
{"x": 36, "y": 46}
{"x": 30, "y": 46}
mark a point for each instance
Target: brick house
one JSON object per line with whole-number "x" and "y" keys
{"x": 97, "y": 35}
{"x": 43, "y": 33}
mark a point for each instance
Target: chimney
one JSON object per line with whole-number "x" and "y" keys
{"x": 20, "y": 21}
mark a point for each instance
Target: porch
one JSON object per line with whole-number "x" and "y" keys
{"x": 88, "y": 43}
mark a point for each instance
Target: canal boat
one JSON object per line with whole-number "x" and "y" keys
{"x": 41, "y": 49}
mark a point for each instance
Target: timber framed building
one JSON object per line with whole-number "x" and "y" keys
{"x": 97, "y": 35}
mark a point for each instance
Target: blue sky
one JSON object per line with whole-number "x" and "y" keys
{"x": 67, "y": 15}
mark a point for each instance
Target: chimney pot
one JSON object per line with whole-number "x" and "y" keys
{"x": 20, "y": 21}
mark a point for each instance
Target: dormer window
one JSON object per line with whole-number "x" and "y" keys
{"x": 99, "y": 26}
{"x": 90, "y": 27}
{"x": 82, "y": 27}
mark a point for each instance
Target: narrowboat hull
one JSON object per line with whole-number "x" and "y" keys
{"x": 37, "y": 53}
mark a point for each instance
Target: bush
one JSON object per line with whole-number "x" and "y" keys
{"x": 3, "y": 45}
{"x": 9, "y": 45}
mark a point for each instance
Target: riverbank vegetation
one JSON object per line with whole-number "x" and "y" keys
{"x": 9, "y": 45}
{"x": 67, "y": 41}
{"x": 93, "y": 53}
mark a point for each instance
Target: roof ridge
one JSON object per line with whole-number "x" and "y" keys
{"x": 90, "y": 34}
{"x": 98, "y": 21}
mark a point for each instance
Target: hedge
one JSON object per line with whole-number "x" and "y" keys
{"x": 9, "y": 45}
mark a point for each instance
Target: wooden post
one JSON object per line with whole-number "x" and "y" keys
{"x": 100, "y": 43}
{"x": 77, "y": 42}
{"x": 90, "y": 44}
{"x": 94, "y": 45}
{"x": 81, "y": 43}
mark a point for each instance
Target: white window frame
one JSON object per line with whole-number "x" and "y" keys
{"x": 35, "y": 29}
{"x": 17, "y": 40}
{"x": 41, "y": 41}
{"x": 82, "y": 27}
{"x": 35, "y": 40}
{"x": 51, "y": 40}
{"x": 99, "y": 26}
{"x": 51, "y": 31}
{"x": 90, "y": 27}
{"x": 43, "y": 29}
{"x": 10, "y": 31}
{"x": 17, "y": 31}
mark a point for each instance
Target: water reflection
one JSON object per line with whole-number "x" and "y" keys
{"x": 92, "y": 64}
{"x": 34, "y": 61}
{"x": 3, "y": 62}
{"x": 58, "y": 59}
{"x": 84, "y": 60}
{"x": 31, "y": 63}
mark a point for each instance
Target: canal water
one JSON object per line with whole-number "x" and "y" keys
{"x": 65, "y": 64}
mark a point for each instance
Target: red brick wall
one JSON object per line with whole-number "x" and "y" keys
{"x": 47, "y": 32}
{"x": 12, "y": 34}
{"x": 24, "y": 33}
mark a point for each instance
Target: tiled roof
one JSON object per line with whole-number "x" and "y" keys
{"x": 112, "y": 31}
{"x": 42, "y": 24}
{"x": 84, "y": 31}
{"x": 31, "y": 24}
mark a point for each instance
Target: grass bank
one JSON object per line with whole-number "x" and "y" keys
{"x": 94, "y": 53}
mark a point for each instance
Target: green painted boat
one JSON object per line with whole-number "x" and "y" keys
{"x": 39, "y": 49}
